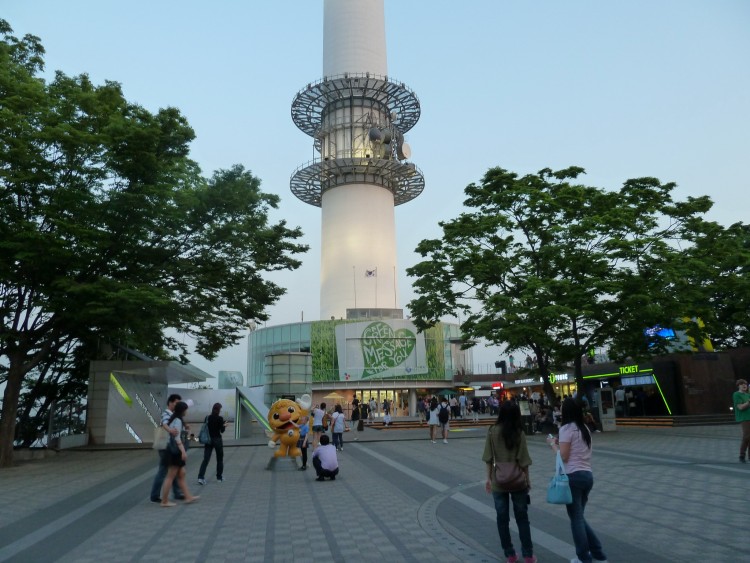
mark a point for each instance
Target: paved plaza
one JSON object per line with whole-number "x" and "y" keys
{"x": 669, "y": 494}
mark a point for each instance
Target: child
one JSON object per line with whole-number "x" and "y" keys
{"x": 324, "y": 460}
{"x": 304, "y": 427}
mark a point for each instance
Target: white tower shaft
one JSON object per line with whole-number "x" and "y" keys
{"x": 357, "y": 116}
{"x": 354, "y": 37}
{"x": 358, "y": 220}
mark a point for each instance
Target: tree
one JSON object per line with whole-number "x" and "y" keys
{"x": 543, "y": 264}
{"x": 718, "y": 276}
{"x": 109, "y": 232}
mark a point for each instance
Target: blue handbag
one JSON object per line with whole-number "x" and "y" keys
{"x": 558, "y": 491}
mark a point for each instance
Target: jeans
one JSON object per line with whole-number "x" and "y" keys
{"x": 338, "y": 440}
{"x": 218, "y": 445}
{"x": 587, "y": 544}
{"x": 745, "y": 444}
{"x": 521, "y": 513}
{"x": 161, "y": 474}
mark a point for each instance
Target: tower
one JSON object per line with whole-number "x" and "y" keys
{"x": 357, "y": 116}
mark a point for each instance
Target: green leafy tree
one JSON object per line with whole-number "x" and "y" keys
{"x": 543, "y": 264}
{"x": 718, "y": 277}
{"x": 109, "y": 232}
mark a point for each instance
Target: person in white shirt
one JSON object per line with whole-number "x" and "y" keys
{"x": 324, "y": 460}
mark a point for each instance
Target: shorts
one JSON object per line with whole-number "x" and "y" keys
{"x": 318, "y": 428}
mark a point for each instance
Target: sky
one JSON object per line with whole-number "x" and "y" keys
{"x": 624, "y": 89}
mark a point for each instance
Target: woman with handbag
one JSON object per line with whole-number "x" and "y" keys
{"x": 574, "y": 444}
{"x": 338, "y": 425}
{"x": 507, "y": 457}
{"x": 177, "y": 458}
{"x": 216, "y": 426}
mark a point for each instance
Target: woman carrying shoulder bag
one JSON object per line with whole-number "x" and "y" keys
{"x": 216, "y": 426}
{"x": 575, "y": 449}
{"x": 506, "y": 445}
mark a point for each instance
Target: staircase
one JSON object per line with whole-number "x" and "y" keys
{"x": 411, "y": 424}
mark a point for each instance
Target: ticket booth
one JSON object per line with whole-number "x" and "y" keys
{"x": 604, "y": 399}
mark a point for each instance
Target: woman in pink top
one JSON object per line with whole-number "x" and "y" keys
{"x": 575, "y": 450}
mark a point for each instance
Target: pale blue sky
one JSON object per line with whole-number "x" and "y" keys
{"x": 624, "y": 89}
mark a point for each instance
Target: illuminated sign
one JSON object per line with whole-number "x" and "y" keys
{"x": 143, "y": 406}
{"x": 120, "y": 390}
{"x": 497, "y": 385}
{"x": 133, "y": 433}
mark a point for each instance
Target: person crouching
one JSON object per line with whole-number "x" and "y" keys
{"x": 324, "y": 460}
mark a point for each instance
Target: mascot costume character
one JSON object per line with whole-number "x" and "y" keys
{"x": 284, "y": 416}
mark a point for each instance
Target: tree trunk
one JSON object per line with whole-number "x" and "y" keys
{"x": 10, "y": 406}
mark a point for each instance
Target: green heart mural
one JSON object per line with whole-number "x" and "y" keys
{"x": 383, "y": 349}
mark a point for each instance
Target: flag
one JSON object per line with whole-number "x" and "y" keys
{"x": 371, "y": 273}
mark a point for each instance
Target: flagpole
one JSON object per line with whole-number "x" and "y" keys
{"x": 394, "y": 287}
{"x": 354, "y": 280}
{"x": 376, "y": 287}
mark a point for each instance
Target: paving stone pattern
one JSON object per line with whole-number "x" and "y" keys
{"x": 660, "y": 495}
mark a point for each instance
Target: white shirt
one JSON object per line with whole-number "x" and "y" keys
{"x": 327, "y": 455}
{"x": 580, "y": 454}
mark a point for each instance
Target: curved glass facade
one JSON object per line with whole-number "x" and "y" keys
{"x": 355, "y": 350}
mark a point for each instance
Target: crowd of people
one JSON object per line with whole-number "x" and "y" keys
{"x": 505, "y": 443}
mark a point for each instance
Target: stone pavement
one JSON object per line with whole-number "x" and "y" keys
{"x": 660, "y": 495}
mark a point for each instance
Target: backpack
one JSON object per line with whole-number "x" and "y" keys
{"x": 443, "y": 414}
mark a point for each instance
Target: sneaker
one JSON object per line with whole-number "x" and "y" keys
{"x": 433, "y": 441}
{"x": 321, "y": 478}
{"x": 333, "y": 477}
{"x": 531, "y": 559}
{"x": 742, "y": 459}
{"x": 201, "y": 481}
{"x": 155, "y": 499}
{"x": 303, "y": 468}
{"x": 445, "y": 441}
{"x": 512, "y": 559}
{"x": 220, "y": 479}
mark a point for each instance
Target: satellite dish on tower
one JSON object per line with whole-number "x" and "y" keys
{"x": 406, "y": 150}
{"x": 375, "y": 135}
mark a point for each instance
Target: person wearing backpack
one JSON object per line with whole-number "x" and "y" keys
{"x": 432, "y": 418}
{"x": 444, "y": 415}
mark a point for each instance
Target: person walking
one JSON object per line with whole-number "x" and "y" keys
{"x": 319, "y": 419}
{"x": 338, "y": 425}
{"x": 216, "y": 426}
{"x": 432, "y": 418}
{"x": 373, "y": 409}
{"x": 178, "y": 460}
{"x": 444, "y": 415}
{"x": 506, "y": 442}
{"x": 163, "y": 468}
{"x": 575, "y": 447}
{"x": 475, "y": 406}
{"x": 356, "y": 421}
{"x": 741, "y": 400}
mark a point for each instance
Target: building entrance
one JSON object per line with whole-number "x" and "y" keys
{"x": 397, "y": 399}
